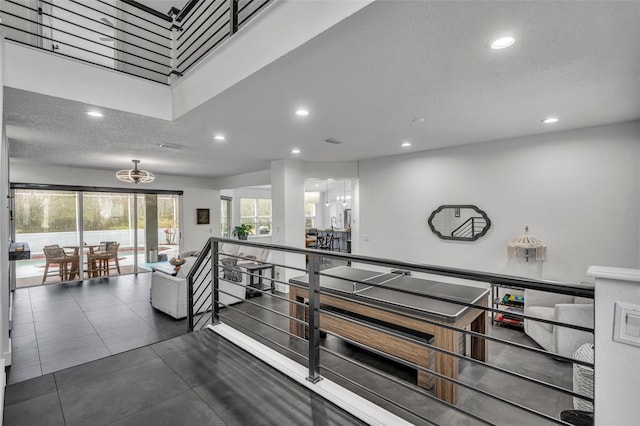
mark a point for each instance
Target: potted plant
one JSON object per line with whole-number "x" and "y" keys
{"x": 242, "y": 231}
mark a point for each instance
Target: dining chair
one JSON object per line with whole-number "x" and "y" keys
{"x": 100, "y": 260}
{"x": 55, "y": 255}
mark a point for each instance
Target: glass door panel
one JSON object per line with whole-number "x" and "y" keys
{"x": 168, "y": 227}
{"x": 43, "y": 218}
{"x": 106, "y": 217}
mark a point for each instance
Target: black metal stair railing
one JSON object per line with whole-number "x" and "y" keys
{"x": 208, "y": 24}
{"x": 308, "y": 324}
{"x": 127, "y": 36}
{"x": 199, "y": 280}
{"x": 123, "y": 38}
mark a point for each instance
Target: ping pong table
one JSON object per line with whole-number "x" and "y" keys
{"x": 395, "y": 299}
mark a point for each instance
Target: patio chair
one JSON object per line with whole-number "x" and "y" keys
{"x": 55, "y": 255}
{"x": 100, "y": 260}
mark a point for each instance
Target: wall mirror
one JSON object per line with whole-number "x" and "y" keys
{"x": 459, "y": 222}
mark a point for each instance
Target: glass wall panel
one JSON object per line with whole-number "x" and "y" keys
{"x": 83, "y": 223}
{"x": 43, "y": 218}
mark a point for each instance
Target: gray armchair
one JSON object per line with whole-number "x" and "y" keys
{"x": 561, "y": 308}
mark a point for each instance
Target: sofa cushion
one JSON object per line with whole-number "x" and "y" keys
{"x": 188, "y": 253}
{"x": 541, "y": 312}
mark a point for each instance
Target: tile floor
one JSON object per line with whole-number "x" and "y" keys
{"x": 209, "y": 378}
{"x": 195, "y": 379}
{"x": 61, "y": 325}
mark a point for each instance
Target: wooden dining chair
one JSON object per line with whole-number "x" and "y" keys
{"x": 112, "y": 261}
{"x": 100, "y": 260}
{"x": 56, "y": 256}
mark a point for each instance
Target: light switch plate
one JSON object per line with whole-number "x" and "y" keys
{"x": 626, "y": 324}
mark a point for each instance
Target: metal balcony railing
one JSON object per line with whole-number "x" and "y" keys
{"x": 126, "y": 36}
{"x": 417, "y": 339}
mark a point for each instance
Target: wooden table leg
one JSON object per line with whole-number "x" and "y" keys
{"x": 446, "y": 365}
{"x": 296, "y": 311}
{"x": 478, "y": 344}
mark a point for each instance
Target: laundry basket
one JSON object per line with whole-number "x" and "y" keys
{"x": 583, "y": 377}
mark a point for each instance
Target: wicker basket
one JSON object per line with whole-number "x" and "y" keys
{"x": 583, "y": 377}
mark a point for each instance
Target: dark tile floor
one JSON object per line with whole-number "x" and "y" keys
{"x": 61, "y": 325}
{"x": 540, "y": 398}
{"x": 195, "y": 379}
{"x": 202, "y": 379}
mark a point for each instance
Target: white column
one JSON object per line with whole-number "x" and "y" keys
{"x": 617, "y": 364}
{"x": 287, "y": 198}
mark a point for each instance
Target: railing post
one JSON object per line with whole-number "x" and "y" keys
{"x": 314, "y": 318}
{"x": 173, "y": 62}
{"x": 190, "y": 301}
{"x": 233, "y": 19}
{"x": 215, "y": 296}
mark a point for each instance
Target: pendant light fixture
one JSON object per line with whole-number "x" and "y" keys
{"x": 135, "y": 176}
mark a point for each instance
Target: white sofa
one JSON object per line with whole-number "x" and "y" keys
{"x": 561, "y": 308}
{"x": 169, "y": 294}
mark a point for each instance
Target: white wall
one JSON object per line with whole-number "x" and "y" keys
{"x": 576, "y": 190}
{"x": 69, "y": 79}
{"x": 5, "y": 342}
{"x": 197, "y": 193}
{"x": 616, "y": 374}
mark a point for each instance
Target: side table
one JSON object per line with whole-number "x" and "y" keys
{"x": 256, "y": 278}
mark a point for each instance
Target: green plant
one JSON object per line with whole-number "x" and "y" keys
{"x": 241, "y": 231}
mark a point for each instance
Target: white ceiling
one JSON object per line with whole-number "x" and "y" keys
{"x": 364, "y": 81}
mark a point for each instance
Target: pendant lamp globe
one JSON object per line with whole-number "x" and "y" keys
{"x": 136, "y": 175}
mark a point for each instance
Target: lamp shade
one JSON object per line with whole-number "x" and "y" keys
{"x": 527, "y": 246}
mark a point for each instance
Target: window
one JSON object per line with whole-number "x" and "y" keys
{"x": 256, "y": 212}
{"x": 225, "y": 214}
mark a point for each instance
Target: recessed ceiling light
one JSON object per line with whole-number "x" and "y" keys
{"x": 406, "y": 144}
{"x": 502, "y": 43}
{"x": 302, "y": 112}
{"x": 295, "y": 151}
{"x": 219, "y": 137}
{"x": 95, "y": 114}
{"x": 550, "y": 120}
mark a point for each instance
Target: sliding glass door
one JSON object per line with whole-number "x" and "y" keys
{"x": 145, "y": 226}
{"x": 43, "y": 218}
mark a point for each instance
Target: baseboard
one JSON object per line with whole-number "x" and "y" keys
{"x": 350, "y": 402}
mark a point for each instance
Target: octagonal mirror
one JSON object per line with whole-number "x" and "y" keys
{"x": 463, "y": 222}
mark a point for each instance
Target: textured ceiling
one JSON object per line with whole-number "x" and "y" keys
{"x": 364, "y": 81}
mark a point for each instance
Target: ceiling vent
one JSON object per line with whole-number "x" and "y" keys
{"x": 333, "y": 141}
{"x": 170, "y": 145}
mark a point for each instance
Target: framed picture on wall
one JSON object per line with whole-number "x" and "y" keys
{"x": 202, "y": 216}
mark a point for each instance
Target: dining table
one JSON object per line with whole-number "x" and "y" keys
{"x": 75, "y": 268}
